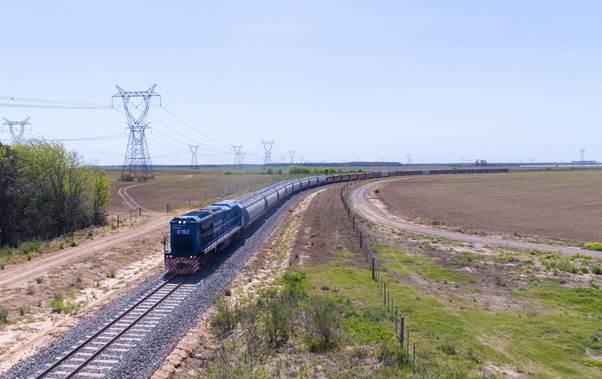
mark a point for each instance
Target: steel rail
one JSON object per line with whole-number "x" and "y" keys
{"x": 58, "y": 363}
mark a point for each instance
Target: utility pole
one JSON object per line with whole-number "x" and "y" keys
{"x": 193, "y": 160}
{"x": 291, "y": 156}
{"x": 237, "y": 155}
{"x": 267, "y": 148}
{"x": 17, "y": 129}
{"x": 137, "y": 161}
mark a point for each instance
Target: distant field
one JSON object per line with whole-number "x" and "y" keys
{"x": 177, "y": 186}
{"x": 562, "y": 205}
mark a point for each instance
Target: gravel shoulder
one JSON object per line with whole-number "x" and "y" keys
{"x": 367, "y": 203}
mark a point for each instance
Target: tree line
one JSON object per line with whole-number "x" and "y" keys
{"x": 46, "y": 191}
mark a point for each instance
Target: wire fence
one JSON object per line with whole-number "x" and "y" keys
{"x": 391, "y": 305}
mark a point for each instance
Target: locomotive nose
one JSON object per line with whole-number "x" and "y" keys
{"x": 180, "y": 266}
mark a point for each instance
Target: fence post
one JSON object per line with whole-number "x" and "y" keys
{"x": 164, "y": 242}
{"x": 130, "y": 214}
{"x": 166, "y": 207}
{"x": 401, "y": 328}
{"x": 139, "y": 211}
{"x": 117, "y": 223}
{"x": 353, "y": 223}
{"x": 414, "y": 357}
{"x": 408, "y": 342}
{"x": 361, "y": 239}
{"x": 373, "y": 269}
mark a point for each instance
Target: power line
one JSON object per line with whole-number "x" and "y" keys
{"x": 41, "y": 106}
{"x": 172, "y": 114}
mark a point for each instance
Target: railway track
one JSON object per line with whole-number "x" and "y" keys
{"x": 97, "y": 354}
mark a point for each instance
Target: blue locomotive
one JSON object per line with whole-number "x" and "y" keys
{"x": 197, "y": 235}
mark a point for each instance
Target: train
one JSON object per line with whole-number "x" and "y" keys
{"x": 197, "y": 236}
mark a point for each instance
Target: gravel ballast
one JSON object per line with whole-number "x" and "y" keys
{"x": 143, "y": 359}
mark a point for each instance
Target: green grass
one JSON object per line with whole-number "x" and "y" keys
{"x": 396, "y": 260}
{"x": 552, "y": 342}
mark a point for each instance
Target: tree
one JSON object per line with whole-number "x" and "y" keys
{"x": 101, "y": 197}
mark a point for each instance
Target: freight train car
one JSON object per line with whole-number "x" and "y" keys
{"x": 196, "y": 236}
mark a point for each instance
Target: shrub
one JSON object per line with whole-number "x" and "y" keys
{"x": 324, "y": 325}
{"x": 227, "y": 172}
{"x": 593, "y": 246}
{"x": 448, "y": 348}
{"x": 60, "y": 305}
{"x": 57, "y": 303}
{"x": 597, "y": 270}
{"x": 23, "y": 310}
{"x": 277, "y": 321}
{"x": 224, "y": 319}
{"x": 28, "y": 247}
{"x": 299, "y": 170}
{"x": 112, "y": 273}
{"x": 3, "y": 316}
{"x": 39, "y": 280}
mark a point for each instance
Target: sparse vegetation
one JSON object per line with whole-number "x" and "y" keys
{"x": 61, "y": 305}
{"x": 3, "y": 316}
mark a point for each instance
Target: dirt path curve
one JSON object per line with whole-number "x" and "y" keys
{"x": 369, "y": 206}
{"x": 130, "y": 201}
{"x": 19, "y": 275}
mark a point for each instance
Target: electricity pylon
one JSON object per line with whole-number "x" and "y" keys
{"x": 137, "y": 161}
{"x": 267, "y": 148}
{"x": 193, "y": 160}
{"x": 237, "y": 155}
{"x": 291, "y": 156}
{"x": 17, "y": 129}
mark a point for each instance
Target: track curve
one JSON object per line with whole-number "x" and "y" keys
{"x": 367, "y": 205}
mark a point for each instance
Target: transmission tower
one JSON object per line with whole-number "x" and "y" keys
{"x": 137, "y": 161}
{"x": 238, "y": 155}
{"x": 291, "y": 156}
{"x": 582, "y": 153}
{"x": 267, "y": 148}
{"x": 409, "y": 156}
{"x": 17, "y": 129}
{"x": 193, "y": 160}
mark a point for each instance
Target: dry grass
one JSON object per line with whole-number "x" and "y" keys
{"x": 557, "y": 205}
{"x": 178, "y": 186}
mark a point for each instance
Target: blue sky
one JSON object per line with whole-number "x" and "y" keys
{"x": 332, "y": 80}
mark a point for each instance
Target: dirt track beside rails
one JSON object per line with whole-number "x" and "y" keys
{"x": 367, "y": 203}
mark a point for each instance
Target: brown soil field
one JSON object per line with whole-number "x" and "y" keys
{"x": 177, "y": 187}
{"x": 554, "y": 205}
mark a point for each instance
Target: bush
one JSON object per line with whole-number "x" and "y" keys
{"x": 3, "y": 316}
{"x": 23, "y": 310}
{"x": 278, "y": 321}
{"x": 299, "y": 170}
{"x": 593, "y": 246}
{"x": 448, "y": 348}
{"x": 227, "y": 172}
{"x": 28, "y": 247}
{"x": 112, "y": 273}
{"x": 597, "y": 270}
{"x": 224, "y": 319}
{"x": 324, "y": 324}
{"x": 60, "y": 305}
{"x": 57, "y": 303}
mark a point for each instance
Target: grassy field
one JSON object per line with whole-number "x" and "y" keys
{"x": 557, "y": 205}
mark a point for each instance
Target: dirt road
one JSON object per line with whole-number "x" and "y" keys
{"x": 369, "y": 206}
{"x": 19, "y": 275}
